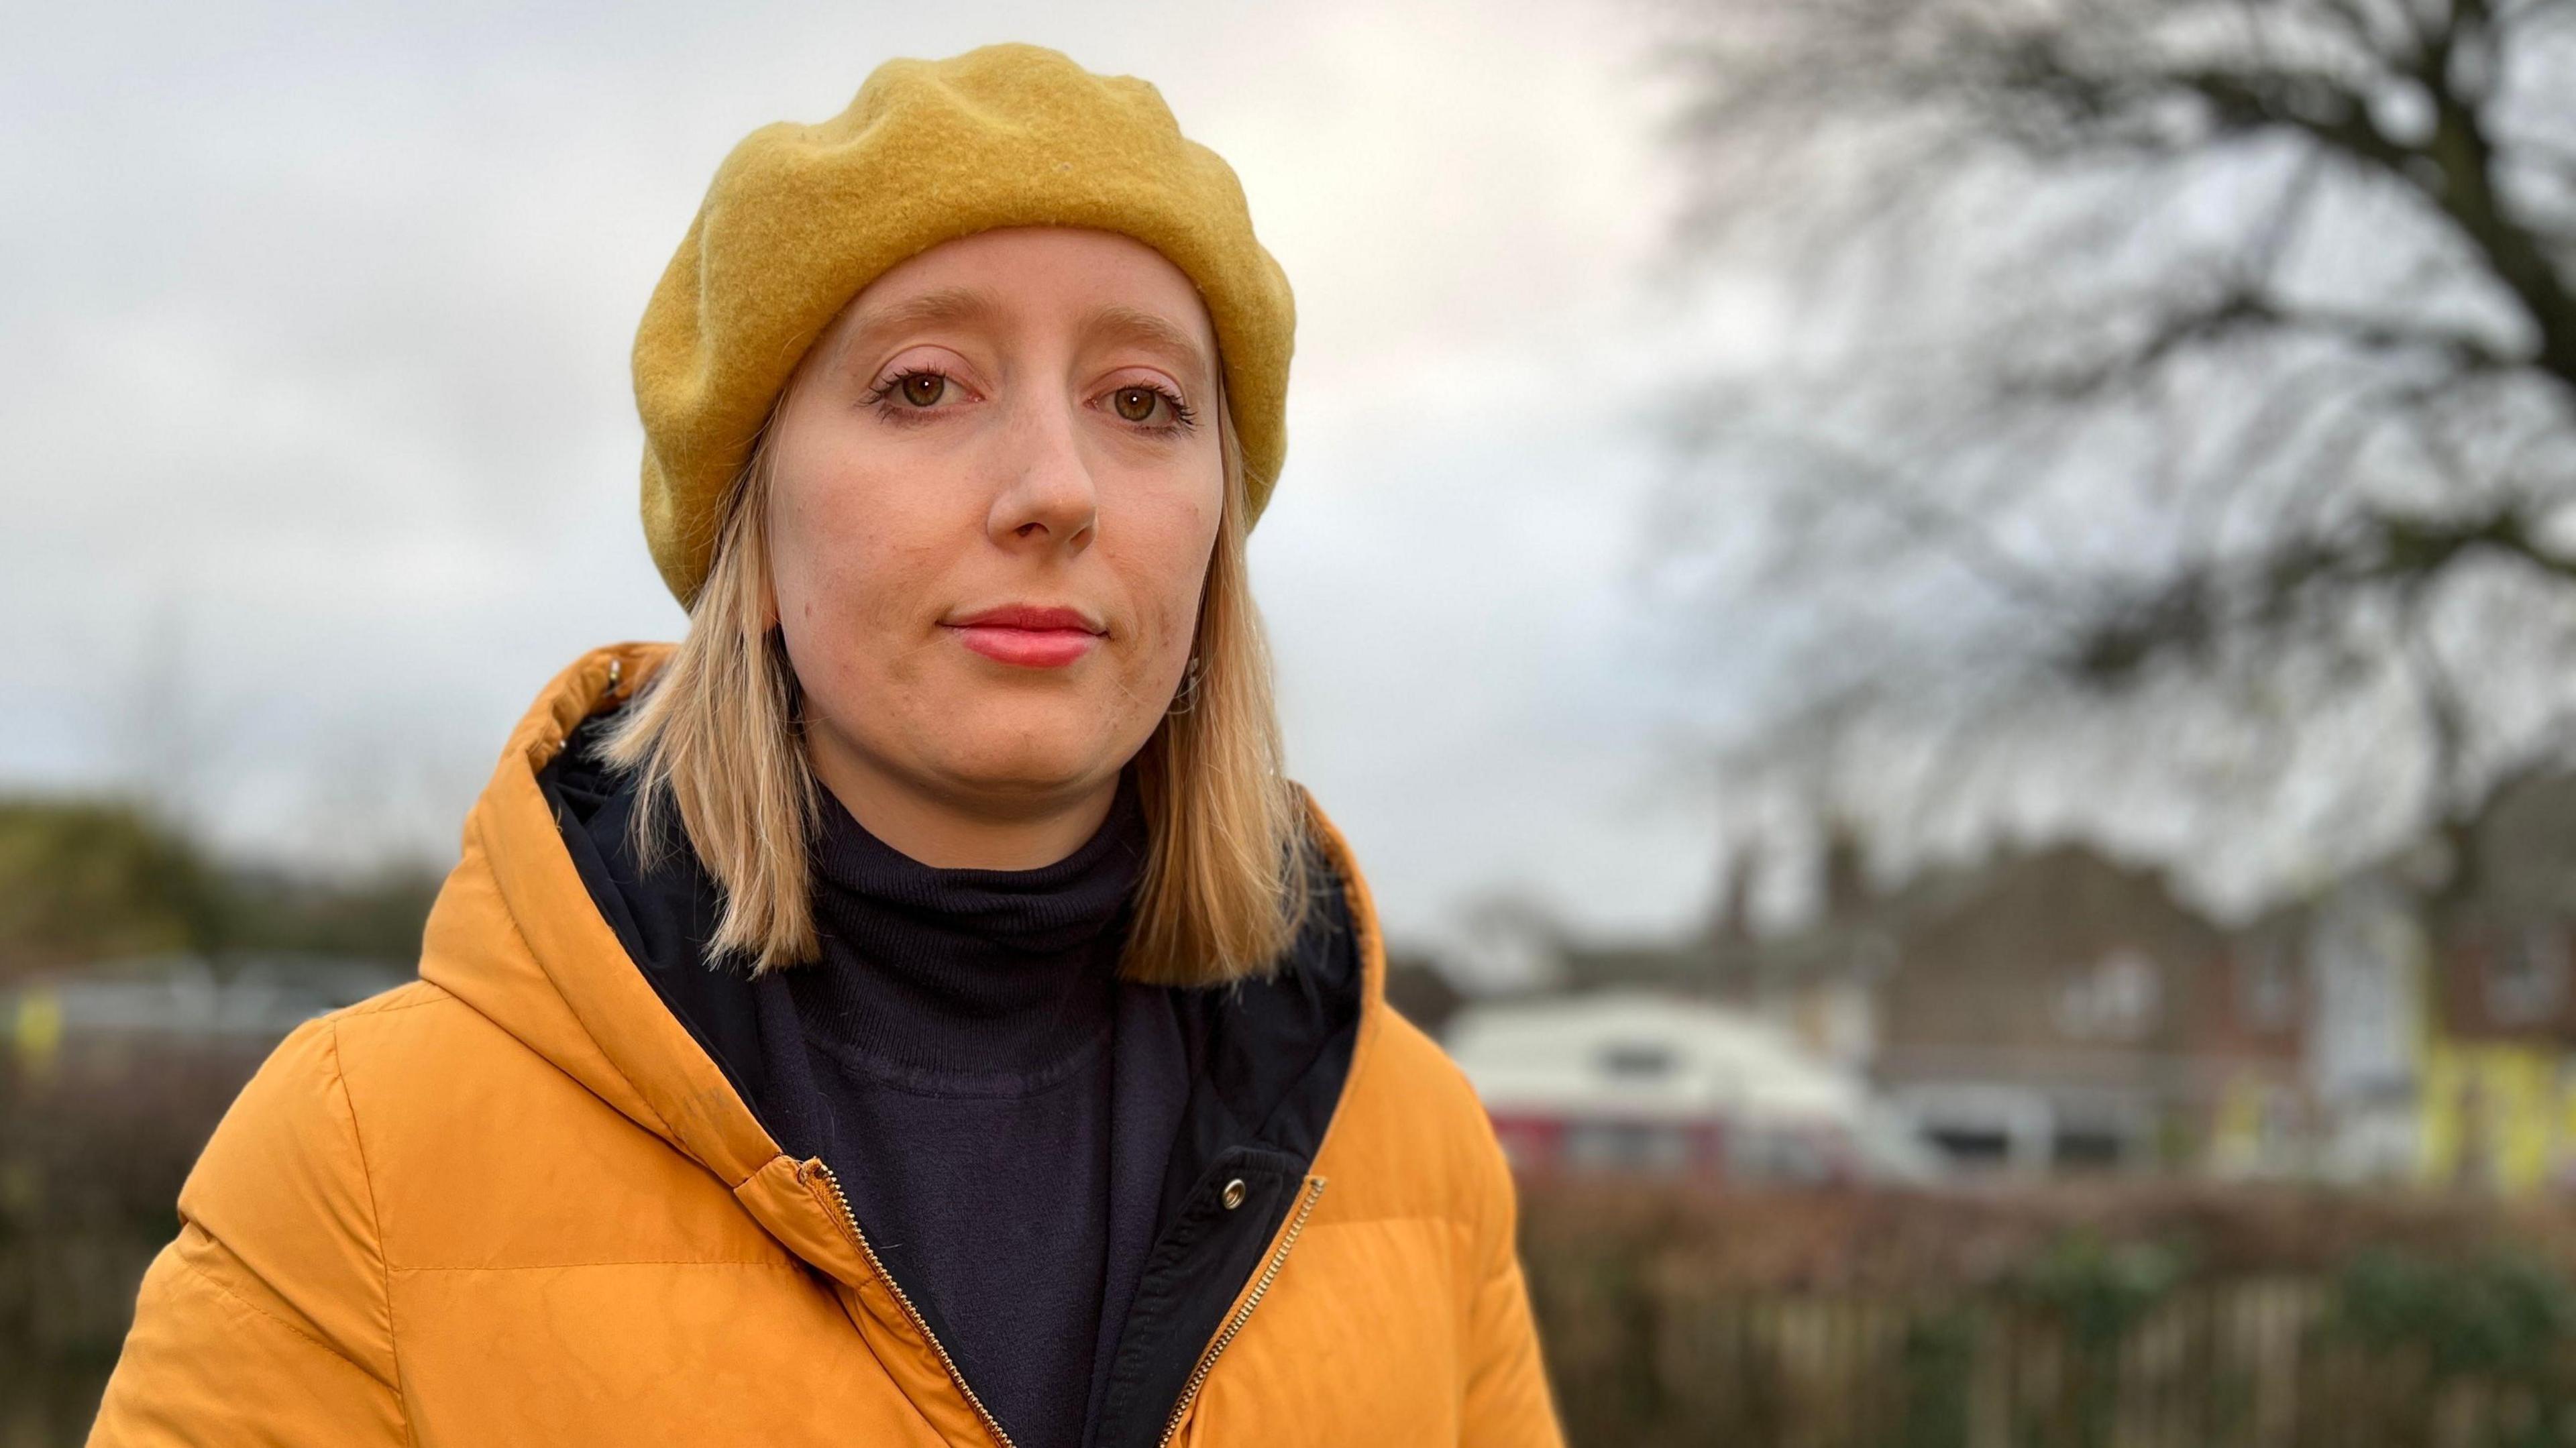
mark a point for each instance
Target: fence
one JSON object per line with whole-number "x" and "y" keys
{"x": 2252, "y": 1364}
{"x": 2087, "y": 1341}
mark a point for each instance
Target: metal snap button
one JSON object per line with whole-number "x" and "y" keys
{"x": 1233, "y": 1194}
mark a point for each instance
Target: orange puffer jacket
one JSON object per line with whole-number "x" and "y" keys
{"x": 519, "y": 1201}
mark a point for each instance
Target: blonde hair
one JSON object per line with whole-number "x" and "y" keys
{"x": 717, "y": 736}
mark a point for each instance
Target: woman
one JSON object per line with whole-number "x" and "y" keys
{"x": 914, "y": 1009}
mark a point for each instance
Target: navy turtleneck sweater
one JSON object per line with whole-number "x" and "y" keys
{"x": 972, "y": 1048}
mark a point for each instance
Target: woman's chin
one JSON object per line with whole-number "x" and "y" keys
{"x": 1030, "y": 764}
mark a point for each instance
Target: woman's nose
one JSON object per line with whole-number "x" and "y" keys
{"x": 1048, "y": 497}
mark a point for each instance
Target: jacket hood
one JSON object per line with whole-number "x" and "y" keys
{"x": 516, "y": 935}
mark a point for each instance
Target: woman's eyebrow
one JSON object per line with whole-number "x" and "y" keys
{"x": 1118, "y": 323}
{"x": 958, "y": 305}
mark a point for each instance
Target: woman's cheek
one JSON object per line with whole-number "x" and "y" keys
{"x": 1164, "y": 579}
{"x": 879, "y": 570}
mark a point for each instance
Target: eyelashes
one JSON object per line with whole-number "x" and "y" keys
{"x": 909, "y": 397}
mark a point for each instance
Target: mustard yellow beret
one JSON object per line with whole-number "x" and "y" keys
{"x": 799, "y": 218}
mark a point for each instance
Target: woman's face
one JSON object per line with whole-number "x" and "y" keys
{"x": 995, "y": 492}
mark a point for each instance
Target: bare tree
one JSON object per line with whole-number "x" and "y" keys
{"x": 2184, "y": 394}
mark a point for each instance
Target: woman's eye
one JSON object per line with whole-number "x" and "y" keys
{"x": 922, "y": 389}
{"x": 1135, "y": 403}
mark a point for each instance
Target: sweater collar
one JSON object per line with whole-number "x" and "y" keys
{"x": 967, "y": 973}
{"x": 997, "y": 916}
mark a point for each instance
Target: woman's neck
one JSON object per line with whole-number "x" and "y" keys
{"x": 1016, "y": 827}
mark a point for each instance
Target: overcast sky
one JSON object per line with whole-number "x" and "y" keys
{"x": 322, "y": 458}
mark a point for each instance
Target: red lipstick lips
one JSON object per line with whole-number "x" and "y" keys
{"x": 1028, "y": 635}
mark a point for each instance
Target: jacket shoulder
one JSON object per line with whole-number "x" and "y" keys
{"x": 279, "y": 1213}
{"x": 1437, "y": 1084}
{"x": 1420, "y": 1143}
{"x": 272, "y": 1309}
{"x": 268, "y": 1317}
{"x": 1411, "y": 1139}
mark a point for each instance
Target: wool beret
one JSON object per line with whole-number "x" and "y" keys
{"x": 800, "y": 217}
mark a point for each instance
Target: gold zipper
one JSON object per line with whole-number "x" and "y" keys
{"x": 850, "y": 1224}
{"x": 1243, "y": 1314}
